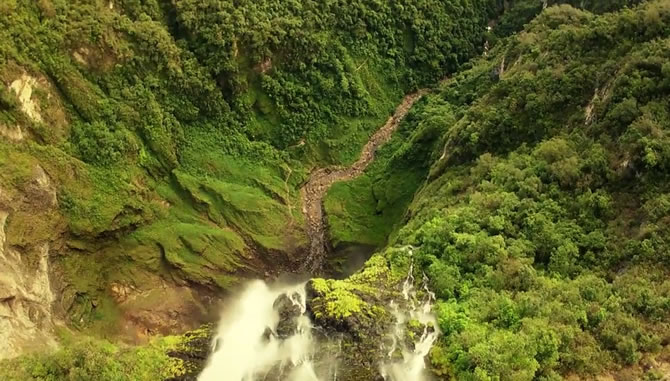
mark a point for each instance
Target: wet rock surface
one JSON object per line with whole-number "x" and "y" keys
{"x": 288, "y": 313}
{"x": 29, "y": 224}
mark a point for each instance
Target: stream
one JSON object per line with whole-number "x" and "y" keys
{"x": 266, "y": 333}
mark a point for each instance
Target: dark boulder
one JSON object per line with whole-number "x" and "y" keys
{"x": 288, "y": 314}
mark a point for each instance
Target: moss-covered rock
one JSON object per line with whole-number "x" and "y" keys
{"x": 192, "y": 350}
{"x": 355, "y": 312}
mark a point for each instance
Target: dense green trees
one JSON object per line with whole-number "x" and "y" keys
{"x": 287, "y": 70}
{"x": 157, "y": 115}
{"x": 92, "y": 359}
{"x": 542, "y": 227}
{"x": 299, "y": 63}
{"x": 520, "y": 12}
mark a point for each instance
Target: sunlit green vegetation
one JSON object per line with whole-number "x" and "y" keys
{"x": 84, "y": 359}
{"x": 543, "y": 227}
{"x": 533, "y": 183}
{"x": 177, "y": 133}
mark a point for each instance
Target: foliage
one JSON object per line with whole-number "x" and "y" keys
{"x": 189, "y": 125}
{"x": 540, "y": 226}
{"x": 90, "y": 359}
{"x": 176, "y": 134}
{"x": 367, "y": 209}
{"x": 521, "y": 12}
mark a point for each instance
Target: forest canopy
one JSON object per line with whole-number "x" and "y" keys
{"x": 532, "y": 180}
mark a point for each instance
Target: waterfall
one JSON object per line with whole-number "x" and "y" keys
{"x": 406, "y": 359}
{"x": 266, "y": 334}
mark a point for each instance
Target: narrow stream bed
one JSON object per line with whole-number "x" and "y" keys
{"x": 320, "y": 180}
{"x": 266, "y": 333}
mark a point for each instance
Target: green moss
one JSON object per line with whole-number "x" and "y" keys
{"x": 374, "y": 272}
{"x": 95, "y": 199}
{"x": 352, "y": 215}
{"x": 320, "y": 286}
{"x": 343, "y": 303}
{"x": 244, "y": 208}
{"x": 356, "y": 295}
{"x": 24, "y": 228}
{"x": 339, "y": 299}
{"x": 17, "y": 166}
{"x": 202, "y": 252}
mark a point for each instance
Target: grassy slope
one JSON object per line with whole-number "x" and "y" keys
{"x": 366, "y": 210}
{"x": 547, "y": 255}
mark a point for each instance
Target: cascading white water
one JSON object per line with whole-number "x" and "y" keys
{"x": 253, "y": 343}
{"x": 246, "y": 351}
{"x": 412, "y": 363}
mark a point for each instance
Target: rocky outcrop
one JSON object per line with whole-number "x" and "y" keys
{"x": 193, "y": 350}
{"x": 13, "y": 133}
{"x": 288, "y": 313}
{"x": 23, "y": 87}
{"x": 27, "y": 224}
{"x": 162, "y": 309}
{"x": 25, "y": 298}
{"x": 42, "y": 112}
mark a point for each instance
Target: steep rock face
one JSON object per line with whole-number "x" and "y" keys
{"x": 23, "y": 87}
{"x": 26, "y": 296}
{"x": 41, "y": 111}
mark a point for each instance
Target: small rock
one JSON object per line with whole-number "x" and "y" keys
{"x": 288, "y": 313}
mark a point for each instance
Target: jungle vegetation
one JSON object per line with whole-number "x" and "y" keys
{"x": 533, "y": 182}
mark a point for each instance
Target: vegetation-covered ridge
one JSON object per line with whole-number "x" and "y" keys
{"x": 154, "y": 150}
{"x": 543, "y": 224}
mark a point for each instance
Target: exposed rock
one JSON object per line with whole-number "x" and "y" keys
{"x": 163, "y": 309}
{"x": 288, "y": 313}
{"x": 39, "y": 102}
{"x": 25, "y": 299}
{"x": 81, "y": 55}
{"x": 267, "y": 334}
{"x": 23, "y": 87}
{"x": 40, "y": 190}
{"x": 29, "y": 228}
{"x": 11, "y": 132}
{"x": 120, "y": 292}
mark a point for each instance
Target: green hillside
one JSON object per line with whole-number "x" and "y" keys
{"x": 533, "y": 181}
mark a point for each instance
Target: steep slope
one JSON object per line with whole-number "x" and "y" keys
{"x": 171, "y": 138}
{"x": 540, "y": 219}
{"x": 542, "y": 227}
